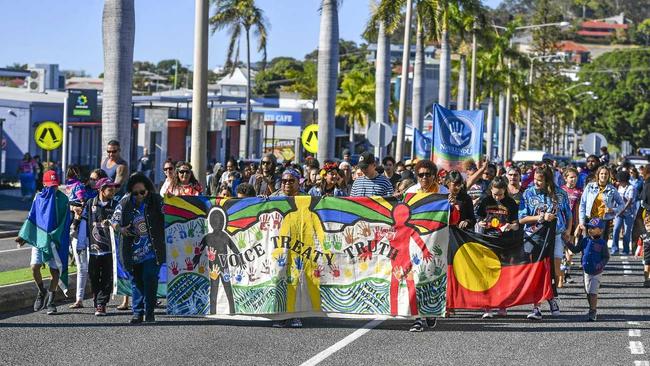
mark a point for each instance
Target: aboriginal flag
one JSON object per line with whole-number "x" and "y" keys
{"x": 499, "y": 272}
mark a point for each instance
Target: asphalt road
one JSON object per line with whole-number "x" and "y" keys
{"x": 12, "y": 257}
{"x": 617, "y": 338}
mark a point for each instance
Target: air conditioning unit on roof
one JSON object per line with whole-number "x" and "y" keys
{"x": 36, "y": 80}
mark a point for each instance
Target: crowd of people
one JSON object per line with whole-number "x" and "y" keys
{"x": 586, "y": 204}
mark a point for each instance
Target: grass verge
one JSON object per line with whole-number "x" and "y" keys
{"x": 25, "y": 274}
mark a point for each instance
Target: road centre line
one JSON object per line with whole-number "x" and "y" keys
{"x": 636, "y": 348}
{"x": 320, "y": 357}
{"x": 634, "y": 333}
{"x": 641, "y": 363}
{"x": 14, "y": 250}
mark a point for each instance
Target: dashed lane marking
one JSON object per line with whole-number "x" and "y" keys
{"x": 634, "y": 333}
{"x": 636, "y": 348}
{"x": 641, "y": 363}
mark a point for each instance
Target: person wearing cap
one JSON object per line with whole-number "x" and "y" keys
{"x": 94, "y": 235}
{"x": 371, "y": 183}
{"x": 624, "y": 220}
{"x": 594, "y": 259}
{"x": 290, "y": 181}
{"x": 47, "y": 230}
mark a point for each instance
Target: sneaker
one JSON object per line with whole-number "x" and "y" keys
{"x": 614, "y": 252}
{"x": 136, "y": 319}
{"x": 555, "y": 308}
{"x": 432, "y": 322}
{"x": 625, "y": 253}
{"x": 646, "y": 283}
{"x": 568, "y": 278}
{"x": 592, "y": 316}
{"x": 502, "y": 312}
{"x": 418, "y": 326}
{"x": 536, "y": 314}
{"x": 295, "y": 323}
{"x": 39, "y": 303}
{"x": 150, "y": 318}
{"x": 487, "y": 314}
{"x": 51, "y": 308}
{"x": 100, "y": 310}
{"x": 281, "y": 324}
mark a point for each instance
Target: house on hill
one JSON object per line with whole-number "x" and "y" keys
{"x": 602, "y": 30}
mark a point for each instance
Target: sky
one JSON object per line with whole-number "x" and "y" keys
{"x": 69, "y": 32}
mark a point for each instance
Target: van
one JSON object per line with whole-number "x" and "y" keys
{"x": 531, "y": 156}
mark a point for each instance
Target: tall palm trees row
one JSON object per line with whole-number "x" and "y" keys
{"x": 435, "y": 20}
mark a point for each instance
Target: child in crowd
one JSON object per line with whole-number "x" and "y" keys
{"x": 594, "y": 258}
{"x": 574, "y": 193}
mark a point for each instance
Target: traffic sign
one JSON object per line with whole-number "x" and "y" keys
{"x": 592, "y": 143}
{"x": 310, "y": 138}
{"x": 48, "y": 135}
{"x": 379, "y": 134}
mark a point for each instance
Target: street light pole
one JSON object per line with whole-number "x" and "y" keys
{"x": 403, "y": 92}
{"x": 472, "y": 88}
{"x": 200, "y": 90}
{"x": 530, "y": 105}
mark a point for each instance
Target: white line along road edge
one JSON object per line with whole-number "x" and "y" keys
{"x": 343, "y": 342}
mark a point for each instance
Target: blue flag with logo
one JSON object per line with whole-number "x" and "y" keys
{"x": 457, "y": 136}
{"x": 422, "y": 144}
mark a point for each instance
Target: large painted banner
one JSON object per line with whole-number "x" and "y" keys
{"x": 457, "y": 136}
{"x": 283, "y": 257}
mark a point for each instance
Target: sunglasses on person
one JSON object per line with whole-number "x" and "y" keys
{"x": 168, "y": 168}
{"x": 288, "y": 181}
{"x": 139, "y": 193}
{"x": 112, "y": 151}
{"x": 184, "y": 171}
{"x": 265, "y": 162}
{"x": 425, "y": 175}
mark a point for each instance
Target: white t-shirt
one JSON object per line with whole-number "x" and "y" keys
{"x": 416, "y": 189}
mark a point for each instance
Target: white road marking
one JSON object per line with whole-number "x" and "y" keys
{"x": 343, "y": 342}
{"x": 627, "y": 267}
{"x": 626, "y": 262}
{"x": 636, "y": 348}
{"x": 627, "y": 271}
{"x": 633, "y": 323}
{"x": 15, "y": 250}
{"x": 641, "y": 363}
{"x": 623, "y": 257}
{"x": 634, "y": 333}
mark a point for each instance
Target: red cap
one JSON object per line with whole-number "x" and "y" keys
{"x": 50, "y": 179}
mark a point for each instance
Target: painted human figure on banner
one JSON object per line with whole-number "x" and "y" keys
{"x": 217, "y": 242}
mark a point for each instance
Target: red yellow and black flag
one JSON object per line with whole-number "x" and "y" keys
{"x": 498, "y": 272}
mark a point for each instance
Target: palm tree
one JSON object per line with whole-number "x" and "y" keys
{"x": 356, "y": 100}
{"x": 426, "y": 24}
{"x": 238, "y": 16}
{"x": 328, "y": 59}
{"x": 118, "y": 35}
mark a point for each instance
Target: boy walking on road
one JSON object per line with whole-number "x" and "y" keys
{"x": 594, "y": 259}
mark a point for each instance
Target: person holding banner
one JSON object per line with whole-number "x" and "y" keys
{"x": 541, "y": 203}
{"x": 497, "y": 214}
{"x": 140, "y": 221}
{"x": 427, "y": 176}
{"x": 462, "y": 210}
{"x": 95, "y": 236}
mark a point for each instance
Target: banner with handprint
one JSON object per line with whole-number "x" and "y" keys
{"x": 457, "y": 136}
{"x": 281, "y": 257}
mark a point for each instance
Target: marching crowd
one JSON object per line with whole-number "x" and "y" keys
{"x": 586, "y": 204}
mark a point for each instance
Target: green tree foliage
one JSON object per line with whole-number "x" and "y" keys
{"x": 621, "y": 80}
{"x": 357, "y": 98}
{"x": 275, "y": 75}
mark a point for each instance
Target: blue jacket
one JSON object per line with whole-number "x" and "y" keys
{"x": 594, "y": 254}
{"x": 534, "y": 202}
{"x": 610, "y": 195}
